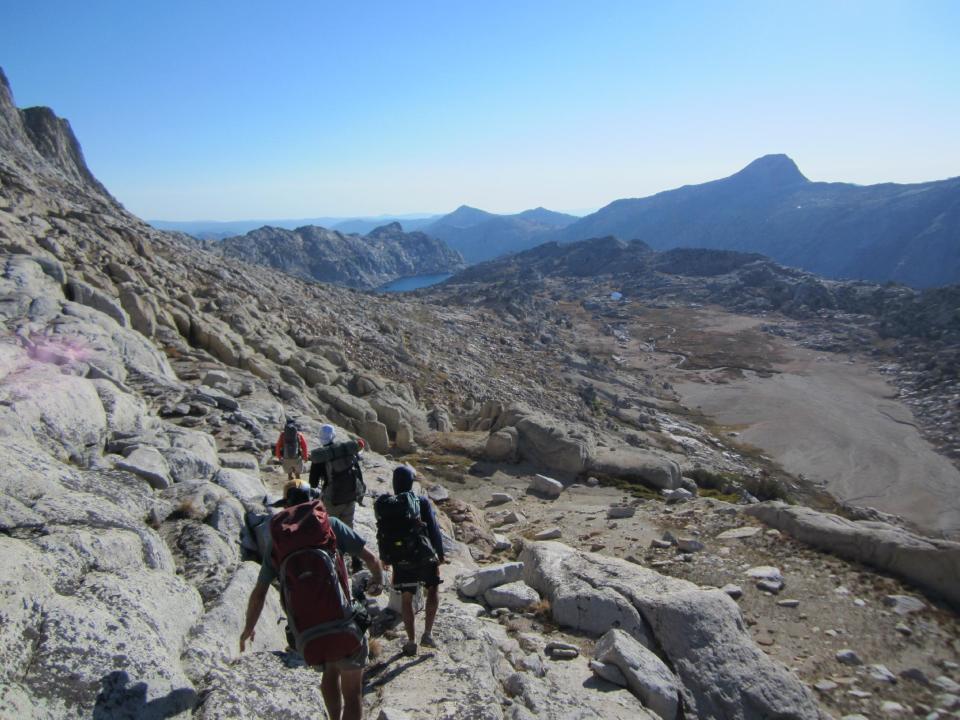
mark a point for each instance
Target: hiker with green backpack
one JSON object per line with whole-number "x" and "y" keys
{"x": 326, "y": 626}
{"x": 409, "y": 540}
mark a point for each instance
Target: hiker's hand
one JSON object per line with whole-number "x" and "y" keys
{"x": 246, "y": 635}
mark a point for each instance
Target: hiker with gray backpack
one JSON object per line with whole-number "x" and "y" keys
{"x": 291, "y": 449}
{"x": 335, "y": 468}
{"x": 409, "y": 540}
{"x": 304, "y": 553}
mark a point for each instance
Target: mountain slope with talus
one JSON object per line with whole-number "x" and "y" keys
{"x": 904, "y": 233}
{"x": 369, "y": 261}
{"x": 142, "y": 385}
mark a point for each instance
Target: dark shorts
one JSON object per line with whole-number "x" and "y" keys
{"x": 406, "y": 578}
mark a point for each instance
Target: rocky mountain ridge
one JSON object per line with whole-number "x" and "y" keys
{"x": 479, "y": 235}
{"x": 315, "y": 253}
{"x": 143, "y": 383}
{"x": 885, "y": 232}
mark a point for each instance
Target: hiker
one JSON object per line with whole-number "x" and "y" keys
{"x": 291, "y": 449}
{"x": 305, "y": 554}
{"x": 335, "y": 467}
{"x": 409, "y": 539}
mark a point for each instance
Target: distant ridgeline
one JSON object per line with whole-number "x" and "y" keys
{"x": 479, "y": 235}
{"x": 902, "y": 233}
{"x": 743, "y": 282}
{"x": 315, "y": 253}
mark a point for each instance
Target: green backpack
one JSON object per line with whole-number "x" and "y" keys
{"x": 401, "y": 534}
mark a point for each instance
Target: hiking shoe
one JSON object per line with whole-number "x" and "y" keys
{"x": 428, "y": 641}
{"x": 410, "y": 649}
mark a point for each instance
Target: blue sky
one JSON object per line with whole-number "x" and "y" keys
{"x": 235, "y": 109}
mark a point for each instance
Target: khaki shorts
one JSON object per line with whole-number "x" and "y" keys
{"x": 357, "y": 661}
{"x": 344, "y": 513}
{"x": 293, "y": 465}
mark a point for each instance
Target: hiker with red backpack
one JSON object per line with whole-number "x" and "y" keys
{"x": 409, "y": 540}
{"x": 291, "y": 449}
{"x": 304, "y": 554}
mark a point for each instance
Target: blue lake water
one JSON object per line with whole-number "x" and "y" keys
{"x": 413, "y": 283}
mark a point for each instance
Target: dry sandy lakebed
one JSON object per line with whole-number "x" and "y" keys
{"x": 837, "y": 422}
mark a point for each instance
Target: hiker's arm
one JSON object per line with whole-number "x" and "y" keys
{"x": 254, "y": 607}
{"x": 278, "y": 448}
{"x": 370, "y": 560}
{"x": 303, "y": 448}
{"x": 433, "y": 528}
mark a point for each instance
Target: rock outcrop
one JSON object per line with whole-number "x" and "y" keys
{"x": 699, "y": 634}
{"x": 315, "y": 253}
{"x": 930, "y": 563}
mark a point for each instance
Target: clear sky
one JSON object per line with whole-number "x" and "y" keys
{"x": 241, "y": 109}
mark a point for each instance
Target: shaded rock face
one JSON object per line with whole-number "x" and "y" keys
{"x": 312, "y": 252}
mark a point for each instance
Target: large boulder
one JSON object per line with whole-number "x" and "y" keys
{"x": 929, "y": 563}
{"x": 545, "y": 441}
{"x": 515, "y": 596}
{"x": 632, "y": 464}
{"x": 213, "y": 641}
{"x": 241, "y": 484}
{"x": 478, "y": 583}
{"x": 502, "y": 445}
{"x": 81, "y": 292}
{"x": 699, "y": 633}
{"x": 63, "y": 414}
{"x": 148, "y": 462}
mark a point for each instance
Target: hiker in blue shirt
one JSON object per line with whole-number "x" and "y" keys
{"x": 342, "y": 682}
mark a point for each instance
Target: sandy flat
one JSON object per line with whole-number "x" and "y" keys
{"x": 837, "y": 423}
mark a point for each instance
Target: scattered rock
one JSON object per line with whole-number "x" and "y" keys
{"x": 548, "y": 534}
{"x": 548, "y": 487}
{"x": 741, "y": 533}
{"x": 904, "y": 604}
{"x": 848, "y": 657}
{"x": 734, "y": 591}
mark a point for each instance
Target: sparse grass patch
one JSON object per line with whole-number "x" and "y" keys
{"x": 542, "y": 609}
{"x": 637, "y": 489}
{"x": 717, "y": 495}
{"x": 188, "y": 509}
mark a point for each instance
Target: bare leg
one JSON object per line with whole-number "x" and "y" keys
{"x": 330, "y": 689}
{"x": 351, "y": 685}
{"x": 433, "y": 602}
{"x": 406, "y": 611}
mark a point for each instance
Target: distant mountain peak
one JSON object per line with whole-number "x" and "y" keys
{"x": 388, "y": 229}
{"x": 778, "y": 169}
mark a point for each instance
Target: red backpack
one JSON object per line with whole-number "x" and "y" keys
{"x": 314, "y": 588}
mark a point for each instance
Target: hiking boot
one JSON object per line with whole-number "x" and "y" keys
{"x": 410, "y": 649}
{"x": 428, "y": 641}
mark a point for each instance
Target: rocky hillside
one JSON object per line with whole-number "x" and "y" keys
{"x": 143, "y": 383}
{"x": 315, "y": 253}
{"x": 479, "y": 235}
{"x": 903, "y": 233}
{"x": 914, "y": 335}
